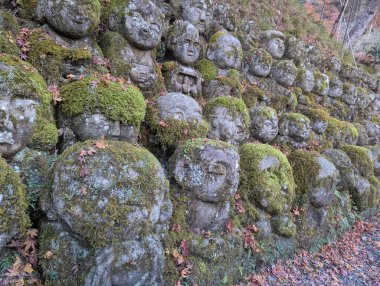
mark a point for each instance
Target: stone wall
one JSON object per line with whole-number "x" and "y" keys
{"x": 157, "y": 142}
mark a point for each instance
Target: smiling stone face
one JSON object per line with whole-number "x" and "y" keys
{"x": 295, "y": 129}
{"x": 142, "y": 24}
{"x": 183, "y": 41}
{"x": 225, "y": 51}
{"x": 207, "y": 169}
{"x": 264, "y": 123}
{"x": 198, "y": 13}
{"x": 72, "y": 18}
{"x": 274, "y": 42}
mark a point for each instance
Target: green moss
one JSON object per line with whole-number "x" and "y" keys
{"x": 324, "y": 84}
{"x": 8, "y": 22}
{"x": 207, "y": 69}
{"x": 27, "y": 9}
{"x": 256, "y": 184}
{"x": 47, "y": 56}
{"x": 8, "y": 44}
{"x": 361, "y": 159}
{"x": 305, "y": 170}
{"x": 251, "y": 95}
{"x": 315, "y": 114}
{"x": 284, "y": 226}
{"x": 21, "y": 79}
{"x": 337, "y": 130}
{"x": 13, "y": 206}
{"x": 235, "y": 106}
{"x": 116, "y": 101}
{"x": 216, "y": 36}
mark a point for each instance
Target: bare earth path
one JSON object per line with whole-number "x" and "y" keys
{"x": 353, "y": 260}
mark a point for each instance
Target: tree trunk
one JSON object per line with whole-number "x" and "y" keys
{"x": 363, "y": 21}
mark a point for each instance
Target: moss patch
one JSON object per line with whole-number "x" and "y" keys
{"x": 207, "y": 69}
{"x": 235, "y": 106}
{"x": 28, "y": 9}
{"x": 116, "y": 101}
{"x": 361, "y": 159}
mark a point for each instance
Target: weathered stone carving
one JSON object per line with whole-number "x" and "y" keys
{"x": 305, "y": 80}
{"x": 258, "y": 62}
{"x": 274, "y": 42}
{"x": 228, "y": 119}
{"x": 284, "y": 73}
{"x": 224, "y": 18}
{"x": 294, "y": 130}
{"x": 199, "y": 13}
{"x": 264, "y": 124}
{"x": 208, "y": 173}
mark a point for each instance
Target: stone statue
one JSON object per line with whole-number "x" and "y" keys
{"x": 284, "y": 73}
{"x": 321, "y": 84}
{"x": 141, "y": 24}
{"x": 224, "y": 18}
{"x": 70, "y": 25}
{"x": 264, "y": 123}
{"x": 258, "y": 62}
{"x": 228, "y": 119}
{"x": 267, "y": 183}
{"x": 225, "y": 51}
{"x": 199, "y": 13}
{"x": 350, "y": 94}
{"x": 274, "y": 42}
{"x": 294, "y": 130}
{"x": 119, "y": 204}
{"x": 26, "y": 115}
{"x": 183, "y": 46}
{"x": 207, "y": 172}
{"x": 305, "y": 80}
{"x": 373, "y": 132}
{"x": 108, "y": 109}
{"x": 295, "y": 49}
{"x": 336, "y": 87}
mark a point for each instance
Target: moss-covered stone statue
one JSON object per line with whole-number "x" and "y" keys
{"x": 137, "y": 29}
{"x": 225, "y": 51}
{"x": 319, "y": 120}
{"x": 321, "y": 83}
{"x": 64, "y": 45}
{"x": 218, "y": 82}
{"x": 26, "y": 113}
{"x": 228, "y": 119}
{"x": 266, "y": 183}
{"x": 336, "y": 88}
{"x": 175, "y": 117}
{"x": 104, "y": 214}
{"x": 258, "y": 62}
{"x": 294, "y": 49}
{"x": 284, "y": 73}
{"x": 199, "y": 13}
{"x": 207, "y": 174}
{"x": 375, "y": 157}
{"x": 8, "y": 30}
{"x": 93, "y": 108}
{"x": 350, "y": 94}
{"x": 224, "y": 18}
{"x": 182, "y": 46}
{"x": 264, "y": 123}
{"x": 274, "y": 42}
{"x": 305, "y": 80}
{"x": 13, "y": 206}
{"x": 373, "y": 132}
{"x": 294, "y": 131}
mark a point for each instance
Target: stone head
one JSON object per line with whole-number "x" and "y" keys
{"x": 179, "y": 107}
{"x": 364, "y": 98}
{"x": 198, "y": 13}
{"x": 183, "y": 42}
{"x": 72, "y": 18}
{"x": 143, "y": 24}
{"x": 23, "y": 95}
{"x": 224, "y": 18}
{"x": 259, "y": 62}
{"x": 264, "y": 123}
{"x": 373, "y": 132}
{"x": 295, "y": 126}
{"x": 321, "y": 83}
{"x": 336, "y": 87}
{"x": 207, "y": 169}
{"x": 266, "y": 178}
{"x": 319, "y": 120}
{"x": 284, "y": 72}
{"x": 228, "y": 119}
{"x": 295, "y": 49}
{"x": 225, "y": 51}
{"x": 324, "y": 185}
{"x": 182, "y": 79}
{"x": 350, "y": 94}
{"x": 305, "y": 80}
{"x": 274, "y": 42}
{"x": 120, "y": 193}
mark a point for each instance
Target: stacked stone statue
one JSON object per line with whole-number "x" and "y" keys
{"x": 136, "y": 132}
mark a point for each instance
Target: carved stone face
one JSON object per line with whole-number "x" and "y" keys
{"x": 324, "y": 185}
{"x": 72, "y": 18}
{"x": 296, "y": 128}
{"x": 180, "y": 107}
{"x": 198, "y": 13}
{"x": 319, "y": 126}
{"x": 259, "y": 62}
{"x": 184, "y": 42}
{"x": 264, "y": 123}
{"x": 184, "y": 80}
{"x": 209, "y": 170}
{"x": 350, "y": 94}
{"x": 224, "y": 127}
{"x": 226, "y": 52}
{"x": 295, "y": 49}
{"x": 224, "y": 18}
{"x": 336, "y": 87}
{"x": 373, "y": 132}
{"x": 284, "y": 72}
{"x": 274, "y": 42}
{"x": 143, "y": 24}
{"x": 305, "y": 80}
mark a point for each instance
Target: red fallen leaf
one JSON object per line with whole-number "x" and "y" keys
{"x": 83, "y": 172}
{"x": 184, "y": 249}
{"x": 237, "y": 196}
{"x": 32, "y": 232}
{"x": 163, "y": 123}
{"x": 186, "y": 131}
{"x": 229, "y": 226}
{"x": 29, "y": 244}
{"x": 91, "y": 151}
{"x": 176, "y": 227}
{"x": 239, "y": 208}
{"x": 101, "y": 144}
